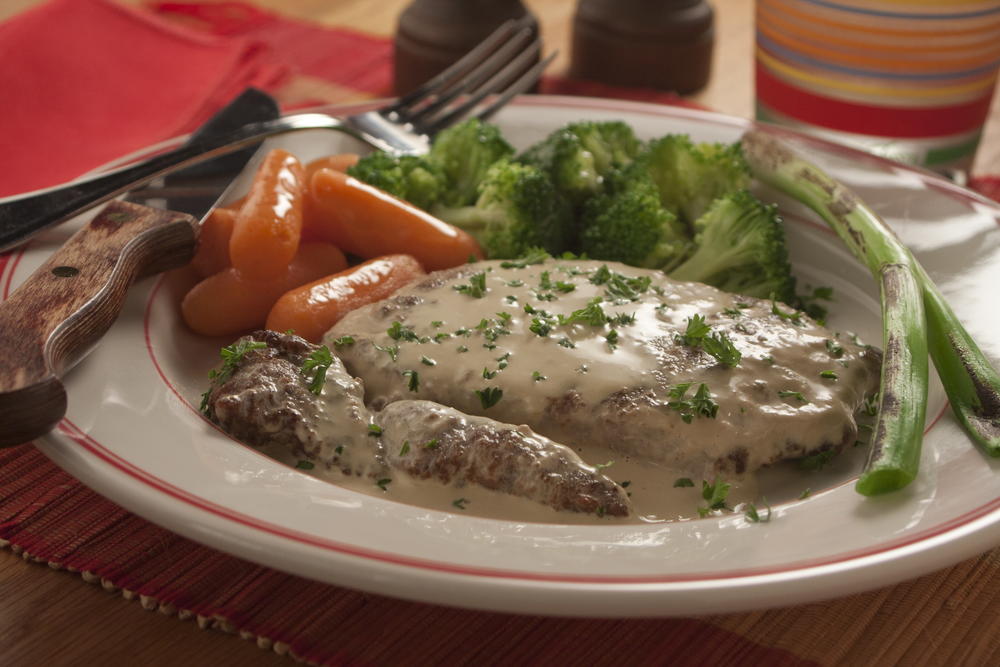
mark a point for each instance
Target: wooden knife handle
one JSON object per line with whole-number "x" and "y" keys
{"x": 64, "y": 307}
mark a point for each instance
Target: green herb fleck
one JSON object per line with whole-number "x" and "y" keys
{"x": 431, "y": 444}
{"x": 797, "y": 395}
{"x": 805, "y": 494}
{"x": 459, "y": 503}
{"x": 715, "y": 495}
{"x": 537, "y": 376}
{"x": 427, "y": 361}
{"x": 317, "y": 364}
{"x": 374, "y": 430}
{"x": 817, "y": 461}
{"x": 404, "y": 450}
{"x": 343, "y": 341}
{"x": 701, "y": 404}
{"x": 414, "y": 377}
{"x": 536, "y": 256}
{"x": 612, "y": 339}
{"x": 828, "y": 375}
{"x": 489, "y": 396}
{"x": 383, "y": 483}
{"x": 476, "y": 287}
{"x": 399, "y": 332}
{"x": 753, "y": 516}
{"x": 835, "y": 350}
{"x": 682, "y": 482}
{"x": 305, "y": 465}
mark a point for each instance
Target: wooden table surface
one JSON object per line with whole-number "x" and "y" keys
{"x": 53, "y": 618}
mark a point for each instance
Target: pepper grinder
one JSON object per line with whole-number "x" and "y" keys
{"x": 665, "y": 44}
{"x": 433, "y": 34}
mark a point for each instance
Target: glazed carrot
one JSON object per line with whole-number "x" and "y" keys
{"x": 310, "y": 310}
{"x": 269, "y": 225}
{"x": 212, "y": 254}
{"x": 310, "y": 212}
{"x": 338, "y": 162}
{"x": 368, "y": 222}
{"x": 229, "y": 302}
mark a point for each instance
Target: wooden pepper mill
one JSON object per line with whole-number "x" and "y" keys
{"x": 433, "y": 34}
{"x": 665, "y": 44}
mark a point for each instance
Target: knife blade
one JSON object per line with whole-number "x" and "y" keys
{"x": 62, "y": 309}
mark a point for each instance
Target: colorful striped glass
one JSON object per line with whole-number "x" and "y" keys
{"x": 908, "y": 79}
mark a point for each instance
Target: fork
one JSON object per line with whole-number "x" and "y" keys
{"x": 497, "y": 67}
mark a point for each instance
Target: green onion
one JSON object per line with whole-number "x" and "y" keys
{"x": 895, "y": 453}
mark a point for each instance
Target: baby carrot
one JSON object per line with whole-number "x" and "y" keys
{"x": 310, "y": 214}
{"x": 368, "y": 222}
{"x": 230, "y": 302}
{"x": 338, "y": 162}
{"x": 310, "y": 310}
{"x": 268, "y": 226}
{"x": 212, "y": 254}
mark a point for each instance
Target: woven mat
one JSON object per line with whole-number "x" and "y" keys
{"x": 946, "y": 618}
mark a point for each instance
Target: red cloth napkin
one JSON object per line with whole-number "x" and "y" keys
{"x": 87, "y": 81}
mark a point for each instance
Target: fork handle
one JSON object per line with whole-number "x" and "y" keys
{"x": 23, "y": 216}
{"x": 65, "y": 306}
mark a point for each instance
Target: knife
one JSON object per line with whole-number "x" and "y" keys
{"x": 60, "y": 312}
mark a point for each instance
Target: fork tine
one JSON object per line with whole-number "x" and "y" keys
{"x": 495, "y": 86}
{"x": 486, "y": 71}
{"x": 495, "y": 39}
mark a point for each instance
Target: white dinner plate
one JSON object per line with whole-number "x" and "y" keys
{"x": 134, "y": 434}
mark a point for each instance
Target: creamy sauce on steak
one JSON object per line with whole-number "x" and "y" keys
{"x": 489, "y": 340}
{"x": 591, "y": 355}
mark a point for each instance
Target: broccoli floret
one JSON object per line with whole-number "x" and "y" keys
{"x": 630, "y": 225}
{"x": 740, "y": 248}
{"x": 465, "y": 152}
{"x": 408, "y": 177}
{"x": 691, "y": 176}
{"x": 579, "y": 156}
{"x": 518, "y": 209}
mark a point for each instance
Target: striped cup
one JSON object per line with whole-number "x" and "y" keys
{"x": 908, "y": 79}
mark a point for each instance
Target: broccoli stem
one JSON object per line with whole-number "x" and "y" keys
{"x": 899, "y": 425}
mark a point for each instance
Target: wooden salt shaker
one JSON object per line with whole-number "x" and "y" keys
{"x": 433, "y": 34}
{"x": 665, "y": 44}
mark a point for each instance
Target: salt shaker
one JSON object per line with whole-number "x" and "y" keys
{"x": 433, "y": 34}
{"x": 664, "y": 44}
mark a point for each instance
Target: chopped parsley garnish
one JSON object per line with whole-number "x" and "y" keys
{"x": 870, "y": 405}
{"x": 391, "y": 350}
{"x": 343, "y": 341}
{"x": 414, "y": 380}
{"x": 540, "y": 326}
{"x": 625, "y": 484}
{"x": 797, "y": 395}
{"x": 427, "y": 361}
{"x": 488, "y": 374}
{"x": 733, "y": 312}
{"x": 622, "y": 319}
{"x": 829, "y": 375}
{"x": 701, "y": 404}
{"x": 437, "y": 324}
{"x": 699, "y": 335}
{"x": 532, "y": 257}
{"x": 591, "y": 314}
{"x": 317, "y": 364}
{"x": 383, "y": 483}
{"x": 566, "y": 342}
{"x": 441, "y": 335}
{"x": 374, "y": 430}
{"x": 618, "y": 286}
{"x": 459, "y": 503}
{"x": 817, "y": 461}
{"x": 721, "y": 347}
{"x": 537, "y": 376}
{"x": 339, "y": 449}
{"x": 431, "y": 444}
{"x": 793, "y": 316}
{"x": 404, "y": 450}
{"x": 305, "y": 465}
{"x": 231, "y": 356}
{"x": 682, "y": 482}
{"x": 602, "y": 466}
{"x": 715, "y": 495}
{"x": 753, "y": 516}
{"x": 462, "y": 348}
{"x": 489, "y": 396}
{"x": 476, "y": 287}
{"x": 612, "y": 339}
{"x": 835, "y": 350}
{"x": 399, "y": 332}
{"x": 805, "y": 494}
